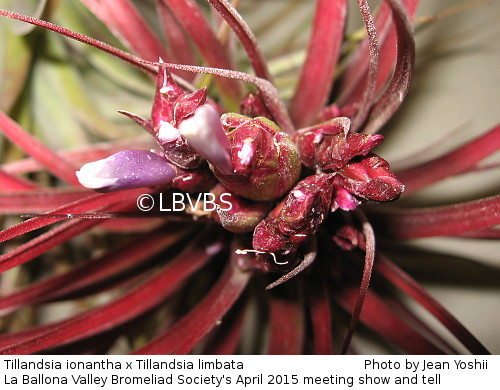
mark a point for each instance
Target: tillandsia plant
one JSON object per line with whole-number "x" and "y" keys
{"x": 247, "y": 218}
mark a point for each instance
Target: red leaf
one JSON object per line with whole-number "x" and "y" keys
{"x": 437, "y": 221}
{"x": 404, "y": 282}
{"x": 365, "y": 280}
{"x": 318, "y": 302}
{"x": 10, "y": 182}
{"x": 317, "y": 73}
{"x": 286, "y": 324}
{"x": 245, "y": 35}
{"x": 91, "y": 203}
{"x": 38, "y": 200}
{"x": 355, "y": 74}
{"x": 379, "y": 317}
{"x": 130, "y": 305}
{"x": 31, "y": 146}
{"x": 123, "y": 19}
{"x": 457, "y": 161}
{"x": 192, "y": 19}
{"x": 485, "y": 234}
{"x": 228, "y": 335}
{"x": 183, "y": 336}
{"x": 399, "y": 85}
{"x": 94, "y": 272}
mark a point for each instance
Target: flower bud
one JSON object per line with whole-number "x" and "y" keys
{"x": 126, "y": 169}
{"x": 370, "y": 178}
{"x": 205, "y": 134}
{"x": 170, "y": 110}
{"x": 348, "y": 237}
{"x": 167, "y": 92}
{"x": 237, "y": 214}
{"x": 296, "y": 218}
{"x": 265, "y": 161}
{"x": 306, "y": 206}
{"x": 176, "y": 148}
{"x": 187, "y": 105}
{"x": 343, "y": 199}
{"x": 330, "y": 146}
{"x": 170, "y": 107}
{"x": 253, "y": 106}
{"x": 268, "y": 239}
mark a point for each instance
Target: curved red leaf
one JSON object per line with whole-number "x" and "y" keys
{"x": 399, "y": 85}
{"x": 183, "y": 336}
{"x": 130, "y": 305}
{"x": 437, "y": 221}
{"x": 123, "y": 19}
{"x": 316, "y": 77}
{"x": 245, "y": 35}
{"x": 457, "y": 161}
{"x": 404, "y": 282}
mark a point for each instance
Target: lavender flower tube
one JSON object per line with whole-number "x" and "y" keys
{"x": 126, "y": 169}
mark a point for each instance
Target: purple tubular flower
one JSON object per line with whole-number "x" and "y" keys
{"x": 126, "y": 169}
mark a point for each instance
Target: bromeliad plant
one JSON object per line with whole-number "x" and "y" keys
{"x": 296, "y": 186}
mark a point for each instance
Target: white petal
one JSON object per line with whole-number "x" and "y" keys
{"x": 90, "y": 175}
{"x": 167, "y": 132}
{"x": 205, "y": 134}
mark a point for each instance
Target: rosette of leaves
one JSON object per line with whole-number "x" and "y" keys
{"x": 317, "y": 235}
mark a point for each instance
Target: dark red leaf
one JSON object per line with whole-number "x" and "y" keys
{"x": 404, "y": 282}
{"x": 380, "y": 318}
{"x": 227, "y": 336}
{"x": 93, "y": 272}
{"x": 458, "y": 160}
{"x": 245, "y": 35}
{"x": 437, "y": 221}
{"x": 286, "y": 324}
{"x": 185, "y": 334}
{"x": 318, "y": 302}
{"x": 316, "y": 78}
{"x": 123, "y": 19}
{"x": 130, "y": 305}
{"x": 399, "y": 85}
{"x": 90, "y": 203}
{"x": 369, "y": 249}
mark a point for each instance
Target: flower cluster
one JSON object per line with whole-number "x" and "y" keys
{"x": 304, "y": 186}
